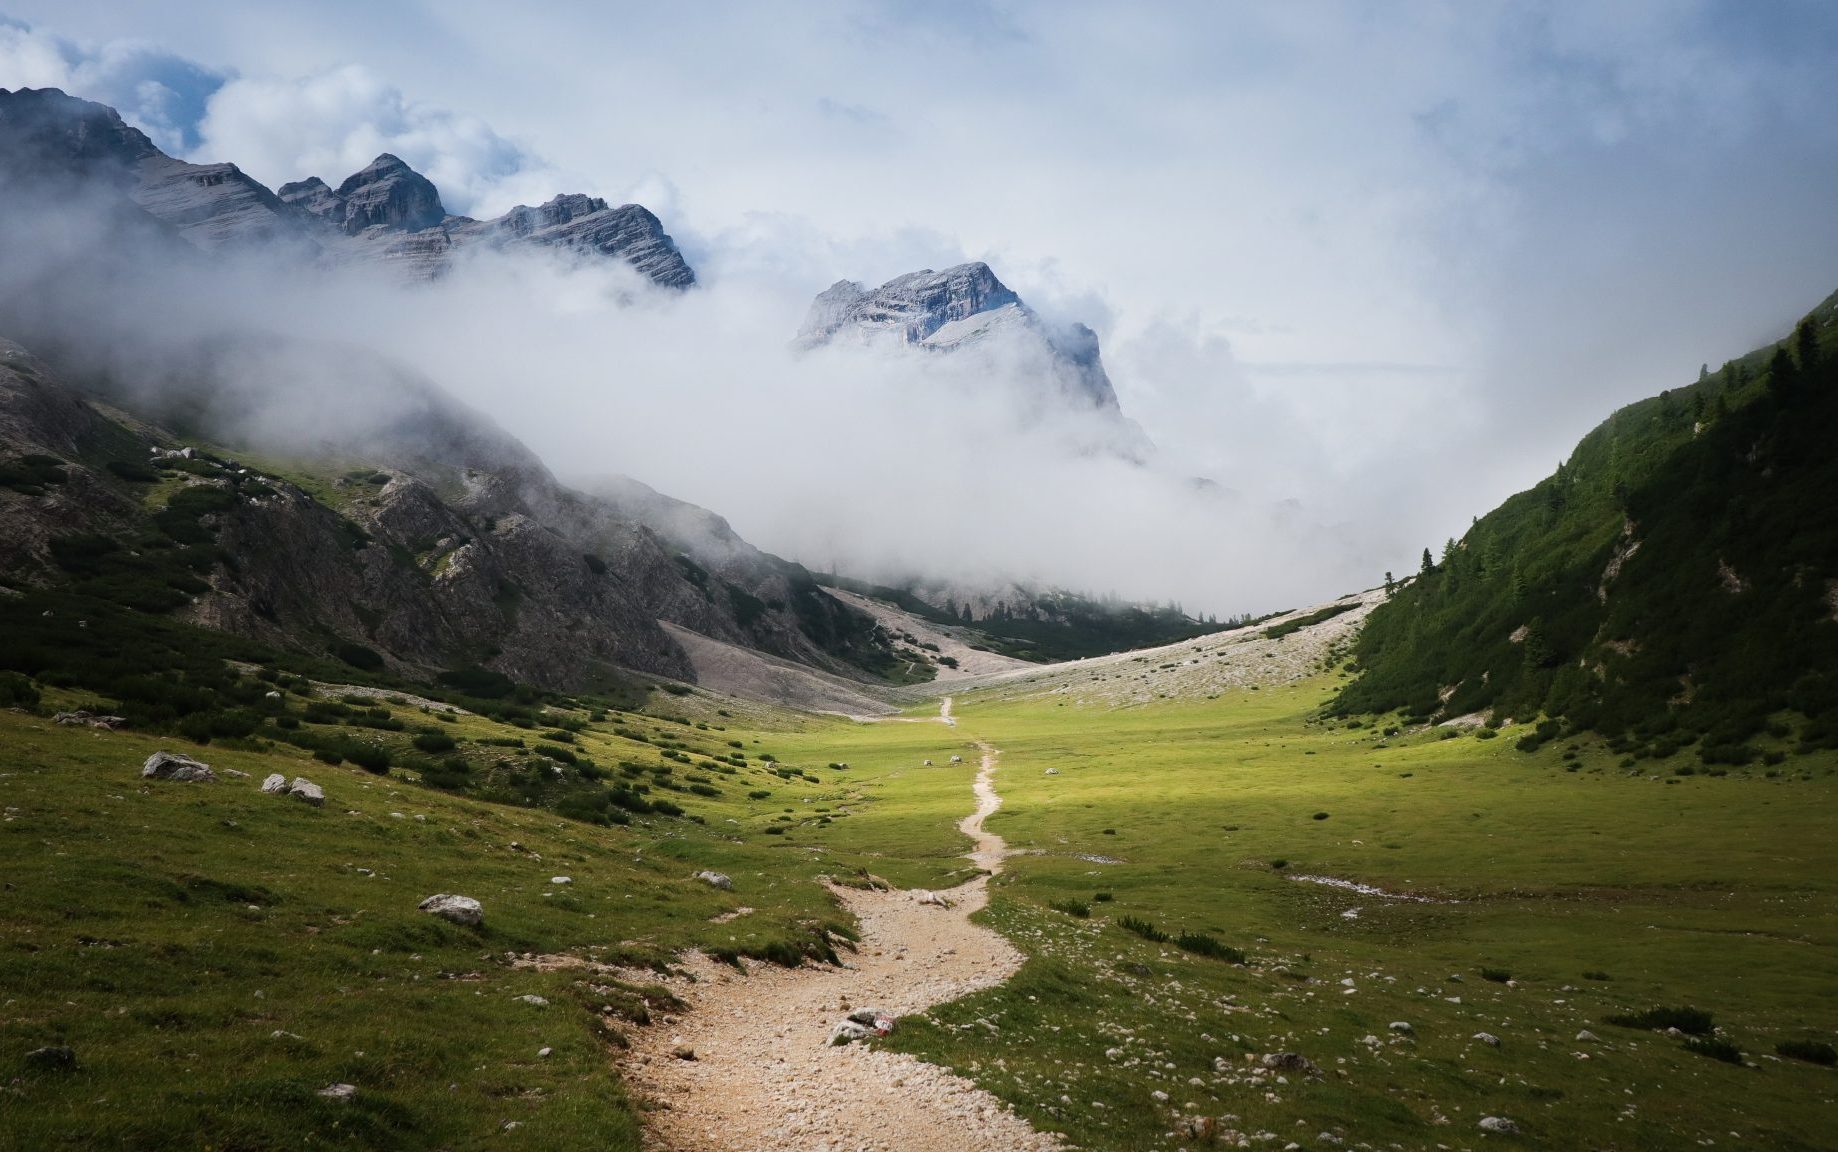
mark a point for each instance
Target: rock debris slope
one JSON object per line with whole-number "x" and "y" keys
{"x": 765, "y": 1079}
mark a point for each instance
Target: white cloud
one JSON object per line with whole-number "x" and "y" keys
{"x": 161, "y": 93}
{"x": 334, "y": 123}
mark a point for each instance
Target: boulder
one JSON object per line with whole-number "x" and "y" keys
{"x": 459, "y": 909}
{"x": 1586, "y": 1036}
{"x": 275, "y": 784}
{"x": 53, "y": 1059}
{"x": 1500, "y": 1125}
{"x": 715, "y": 880}
{"x": 1488, "y": 1039}
{"x": 533, "y": 999}
{"x": 343, "y": 1093}
{"x": 308, "y": 791}
{"x": 1290, "y": 1062}
{"x": 558, "y": 880}
{"x": 163, "y": 765}
{"x": 1402, "y": 1028}
{"x": 86, "y": 719}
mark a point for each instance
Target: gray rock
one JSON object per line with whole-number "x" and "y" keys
{"x": 1586, "y": 1036}
{"x": 165, "y": 765}
{"x": 532, "y": 998}
{"x": 308, "y": 791}
{"x": 560, "y": 880}
{"x": 683, "y": 1052}
{"x": 81, "y": 718}
{"x": 715, "y": 880}
{"x": 1488, "y": 1039}
{"x": 342, "y": 1093}
{"x": 848, "y": 1032}
{"x": 1403, "y": 1028}
{"x": 1290, "y": 1062}
{"x": 274, "y": 784}
{"x": 53, "y": 1059}
{"x": 459, "y": 909}
{"x": 1499, "y": 1125}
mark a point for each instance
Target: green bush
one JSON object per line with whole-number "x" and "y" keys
{"x": 1714, "y": 1047}
{"x": 1077, "y": 908}
{"x": 1497, "y": 975}
{"x": 358, "y": 656}
{"x": 1811, "y": 1051}
{"x": 18, "y": 691}
{"x": 1691, "y": 1021}
{"x": 434, "y": 742}
{"x": 1143, "y": 929}
{"x": 1200, "y": 944}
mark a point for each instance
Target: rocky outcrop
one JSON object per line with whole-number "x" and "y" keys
{"x": 387, "y": 214}
{"x": 177, "y": 766}
{"x": 459, "y": 909}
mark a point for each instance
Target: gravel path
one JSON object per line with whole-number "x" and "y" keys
{"x": 764, "y": 1078}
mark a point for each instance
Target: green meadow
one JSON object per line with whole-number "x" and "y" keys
{"x": 1547, "y": 892}
{"x": 215, "y": 956}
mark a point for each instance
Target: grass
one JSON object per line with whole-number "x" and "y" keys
{"x": 144, "y": 920}
{"x": 1712, "y": 891}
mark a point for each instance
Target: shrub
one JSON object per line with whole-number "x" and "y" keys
{"x": 1714, "y": 1047}
{"x": 1811, "y": 1051}
{"x": 359, "y": 656}
{"x": 1200, "y": 944}
{"x": 1497, "y": 975}
{"x": 556, "y": 752}
{"x": 434, "y": 742}
{"x": 1485, "y": 734}
{"x": 1691, "y": 1021}
{"x": 134, "y": 471}
{"x": 1143, "y": 929}
{"x": 1077, "y": 908}
{"x": 666, "y": 807}
{"x": 759, "y": 794}
{"x": 369, "y": 757}
{"x": 1321, "y": 815}
{"x": 17, "y": 691}
{"x": 328, "y": 756}
{"x": 705, "y": 789}
{"x": 1102, "y": 898}
{"x": 1593, "y": 974}
{"x": 1279, "y": 864}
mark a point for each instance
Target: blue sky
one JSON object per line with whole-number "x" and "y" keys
{"x": 1413, "y": 249}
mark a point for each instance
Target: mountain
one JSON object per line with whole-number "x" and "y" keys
{"x": 1674, "y": 582}
{"x": 387, "y": 214}
{"x": 959, "y": 309}
{"x": 437, "y": 543}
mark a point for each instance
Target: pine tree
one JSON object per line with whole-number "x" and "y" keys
{"x": 1429, "y": 565}
{"x": 1806, "y": 347}
{"x": 1389, "y": 584}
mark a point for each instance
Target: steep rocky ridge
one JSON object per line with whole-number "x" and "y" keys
{"x": 386, "y": 214}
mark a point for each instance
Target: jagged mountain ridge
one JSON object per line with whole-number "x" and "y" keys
{"x": 961, "y": 307}
{"x": 386, "y": 213}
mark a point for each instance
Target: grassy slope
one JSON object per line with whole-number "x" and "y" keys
{"x": 144, "y": 919}
{"x": 167, "y": 932}
{"x": 1715, "y": 892}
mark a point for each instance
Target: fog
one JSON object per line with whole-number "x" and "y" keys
{"x": 875, "y": 461}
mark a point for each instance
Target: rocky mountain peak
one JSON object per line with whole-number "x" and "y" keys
{"x": 48, "y": 130}
{"x": 389, "y": 193}
{"x": 914, "y": 306}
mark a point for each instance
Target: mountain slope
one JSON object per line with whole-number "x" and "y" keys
{"x": 434, "y": 542}
{"x": 386, "y": 214}
{"x": 1675, "y": 581}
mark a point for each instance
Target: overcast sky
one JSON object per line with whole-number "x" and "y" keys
{"x": 1388, "y": 259}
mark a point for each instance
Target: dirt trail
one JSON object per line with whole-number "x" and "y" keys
{"x": 764, "y": 1078}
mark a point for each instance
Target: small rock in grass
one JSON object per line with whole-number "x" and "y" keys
{"x": 1587, "y": 1036}
{"x": 715, "y": 879}
{"x": 1403, "y": 1028}
{"x": 544, "y": 1052}
{"x": 1488, "y": 1039}
{"x": 1290, "y": 1062}
{"x": 561, "y": 879}
{"x": 343, "y": 1093}
{"x": 165, "y": 765}
{"x": 532, "y": 998}
{"x": 459, "y": 909}
{"x": 275, "y": 784}
{"x": 53, "y": 1059}
{"x": 1499, "y": 1124}
{"x": 308, "y": 791}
